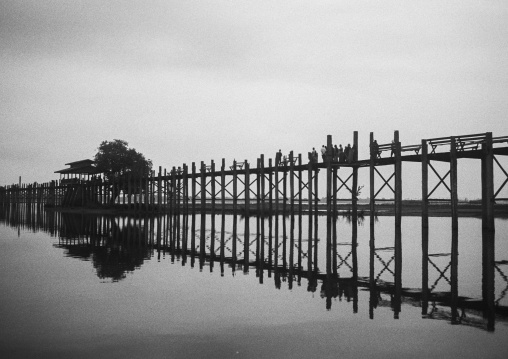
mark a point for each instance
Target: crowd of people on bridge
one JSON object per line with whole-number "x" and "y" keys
{"x": 335, "y": 154}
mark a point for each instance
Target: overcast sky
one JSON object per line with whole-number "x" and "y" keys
{"x": 185, "y": 81}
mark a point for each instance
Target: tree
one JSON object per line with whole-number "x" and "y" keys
{"x": 119, "y": 163}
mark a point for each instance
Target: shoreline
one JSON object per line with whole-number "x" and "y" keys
{"x": 345, "y": 210}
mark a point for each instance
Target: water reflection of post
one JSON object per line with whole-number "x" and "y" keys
{"x": 316, "y": 241}
{"x": 233, "y": 244}
{"x": 454, "y": 298}
{"x": 175, "y": 232}
{"x": 159, "y": 236}
{"x": 212, "y": 240}
{"x": 398, "y": 273}
{"x": 354, "y": 254}
{"x": 276, "y": 253}
{"x": 284, "y": 242}
{"x": 185, "y": 237}
{"x": 291, "y": 250}
{"x": 222, "y": 241}
{"x": 488, "y": 276}
{"x": 193, "y": 238}
{"x": 372, "y": 247}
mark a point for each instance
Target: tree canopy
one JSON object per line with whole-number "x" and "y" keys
{"x": 116, "y": 160}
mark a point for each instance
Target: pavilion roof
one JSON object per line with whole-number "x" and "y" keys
{"x": 79, "y": 167}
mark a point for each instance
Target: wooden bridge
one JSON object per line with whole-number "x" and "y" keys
{"x": 285, "y": 185}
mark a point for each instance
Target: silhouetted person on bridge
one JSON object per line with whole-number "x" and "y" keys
{"x": 375, "y": 149}
{"x": 313, "y": 156}
{"x": 347, "y": 150}
{"x": 351, "y": 155}
{"x": 341, "y": 154}
{"x": 278, "y": 157}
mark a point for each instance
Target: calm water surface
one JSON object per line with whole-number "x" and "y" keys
{"x": 182, "y": 287}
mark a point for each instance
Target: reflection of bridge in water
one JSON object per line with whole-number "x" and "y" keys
{"x": 287, "y": 249}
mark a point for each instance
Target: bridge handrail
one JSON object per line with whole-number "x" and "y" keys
{"x": 237, "y": 165}
{"x": 500, "y": 139}
{"x": 448, "y": 138}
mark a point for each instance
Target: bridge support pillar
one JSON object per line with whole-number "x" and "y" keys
{"x": 398, "y": 222}
{"x": 455, "y": 227}
{"x": 425, "y": 228}
{"x": 354, "y": 197}
{"x": 488, "y": 235}
{"x": 246, "y": 219}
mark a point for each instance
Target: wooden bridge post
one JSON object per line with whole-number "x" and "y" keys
{"x": 488, "y": 199}
{"x": 310, "y": 204}
{"x": 455, "y": 227}
{"x": 129, "y": 190}
{"x": 167, "y": 182}
{"x": 261, "y": 257}
{"x": 186, "y": 188}
{"x": 179, "y": 186}
{"x": 193, "y": 187}
{"x": 247, "y": 224}
{"x": 174, "y": 186}
{"x": 425, "y": 185}
{"x": 262, "y": 185}
{"x": 355, "y": 178}
{"x": 203, "y": 188}
{"x": 212, "y": 216}
{"x": 212, "y": 180}
{"x": 398, "y": 180}
{"x": 152, "y": 190}
{"x": 316, "y": 197}
{"x": 398, "y": 222}
{"x": 335, "y": 170}
{"x": 488, "y": 232}
{"x": 300, "y": 186}
{"x": 247, "y": 189}
{"x": 291, "y": 182}
{"x": 223, "y": 189}
{"x": 235, "y": 188}
{"x": 425, "y": 228}
{"x": 159, "y": 190}
{"x": 372, "y": 165}
{"x": 328, "y": 159}
{"x": 329, "y": 182}
{"x": 258, "y": 192}
{"x": 270, "y": 191}
{"x": 259, "y": 195}
{"x": 453, "y": 183}
{"x": 284, "y": 188}
{"x": 277, "y": 164}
